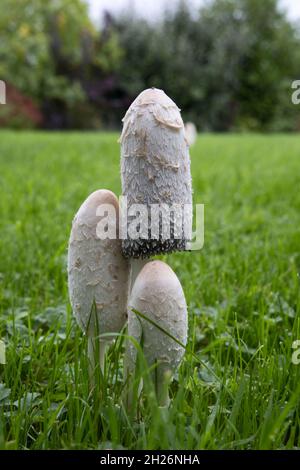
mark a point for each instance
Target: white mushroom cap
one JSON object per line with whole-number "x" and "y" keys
{"x": 190, "y": 133}
{"x": 155, "y": 165}
{"x": 158, "y": 295}
{"x": 97, "y": 271}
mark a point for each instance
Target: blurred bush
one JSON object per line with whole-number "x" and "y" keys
{"x": 20, "y": 112}
{"x": 230, "y": 67}
{"x": 52, "y": 53}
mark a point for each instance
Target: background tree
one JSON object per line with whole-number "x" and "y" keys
{"x": 48, "y": 50}
{"x": 230, "y": 66}
{"x": 270, "y": 64}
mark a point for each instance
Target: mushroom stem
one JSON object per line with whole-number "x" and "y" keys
{"x": 136, "y": 265}
{"x": 162, "y": 387}
{"x": 96, "y": 355}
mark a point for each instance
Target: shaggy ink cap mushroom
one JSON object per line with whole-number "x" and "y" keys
{"x": 155, "y": 170}
{"x": 97, "y": 272}
{"x": 158, "y": 295}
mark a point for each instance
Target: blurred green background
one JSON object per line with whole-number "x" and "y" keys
{"x": 229, "y": 65}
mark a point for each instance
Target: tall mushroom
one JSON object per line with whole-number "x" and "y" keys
{"x": 155, "y": 171}
{"x": 157, "y": 294}
{"x": 155, "y": 174}
{"x": 97, "y": 271}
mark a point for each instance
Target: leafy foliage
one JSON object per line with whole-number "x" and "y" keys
{"x": 47, "y": 50}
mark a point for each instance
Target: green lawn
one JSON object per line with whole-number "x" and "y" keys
{"x": 242, "y": 390}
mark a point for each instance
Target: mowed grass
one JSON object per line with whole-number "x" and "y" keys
{"x": 239, "y": 389}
